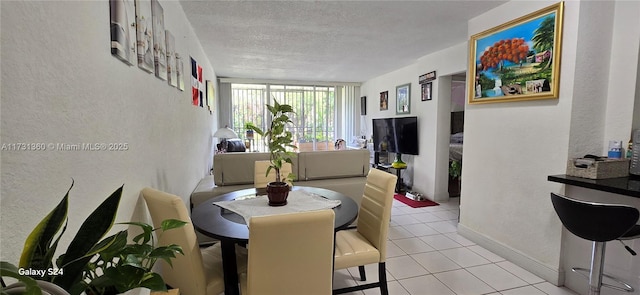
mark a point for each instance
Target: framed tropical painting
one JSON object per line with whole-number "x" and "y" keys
{"x": 518, "y": 60}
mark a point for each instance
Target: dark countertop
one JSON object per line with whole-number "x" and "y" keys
{"x": 622, "y": 185}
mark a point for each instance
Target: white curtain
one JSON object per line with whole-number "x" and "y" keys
{"x": 352, "y": 122}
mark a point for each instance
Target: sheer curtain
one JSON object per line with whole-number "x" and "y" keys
{"x": 352, "y": 122}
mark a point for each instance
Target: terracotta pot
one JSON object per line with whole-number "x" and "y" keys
{"x": 277, "y": 192}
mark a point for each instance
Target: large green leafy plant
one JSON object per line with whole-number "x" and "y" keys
{"x": 89, "y": 257}
{"x": 42, "y": 243}
{"x": 121, "y": 266}
{"x": 278, "y": 138}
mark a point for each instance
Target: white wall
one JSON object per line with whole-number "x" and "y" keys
{"x": 60, "y": 84}
{"x": 624, "y": 73}
{"x": 425, "y": 170}
{"x": 510, "y": 149}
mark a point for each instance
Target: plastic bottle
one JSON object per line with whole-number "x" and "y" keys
{"x": 615, "y": 149}
{"x": 629, "y": 149}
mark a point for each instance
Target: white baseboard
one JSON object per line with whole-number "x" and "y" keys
{"x": 550, "y": 274}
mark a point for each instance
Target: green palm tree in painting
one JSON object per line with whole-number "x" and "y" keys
{"x": 543, "y": 37}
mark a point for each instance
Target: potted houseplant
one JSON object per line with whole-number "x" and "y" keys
{"x": 248, "y": 135}
{"x": 279, "y": 140}
{"x": 26, "y": 285}
{"x": 70, "y": 270}
{"x": 122, "y": 266}
{"x": 249, "y": 130}
{"x": 455, "y": 171}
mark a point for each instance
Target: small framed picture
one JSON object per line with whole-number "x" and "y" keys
{"x": 384, "y": 100}
{"x": 426, "y": 91}
{"x": 363, "y": 106}
{"x": 403, "y": 99}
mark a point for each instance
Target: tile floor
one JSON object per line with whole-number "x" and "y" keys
{"x": 426, "y": 256}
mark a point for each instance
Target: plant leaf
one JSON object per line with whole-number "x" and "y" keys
{"x": 147, "y": 230}
{"x": 91, "y": 231}
{"x": 9, "y": 270}
{"x": 272, "y": 109}
{"x": 285, "y": 108}
{"x": 166, "y": 252}
{"x": 168, "y": 224}
{"x": 110, "y": 247}
{"x": 154, "y": 282}
{"x": 256, "y": 129}
{"x": 37, "y": 251}
{"x": 133, "y": 260}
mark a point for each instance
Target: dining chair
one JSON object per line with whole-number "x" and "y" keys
{"x": 260, "y": 179}
{"x": 367, "y": 244}
{"x": 198, "y": 271}
{"x": 290, "y": 254}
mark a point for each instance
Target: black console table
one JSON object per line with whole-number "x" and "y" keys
{"x": 622, "y": 185}
{"x": 399, "y": 183}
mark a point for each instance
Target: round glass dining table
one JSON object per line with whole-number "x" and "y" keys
{"x": 231, "y": 229}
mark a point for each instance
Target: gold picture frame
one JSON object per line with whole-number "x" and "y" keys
{"x": 518, "y": 60}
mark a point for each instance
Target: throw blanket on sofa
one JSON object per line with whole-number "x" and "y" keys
{"x": 298, "y": 201}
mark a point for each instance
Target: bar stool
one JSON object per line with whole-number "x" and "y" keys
{"x": 599, "y": 223}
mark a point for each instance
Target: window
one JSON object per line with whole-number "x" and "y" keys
{"x": 314, "y": 126}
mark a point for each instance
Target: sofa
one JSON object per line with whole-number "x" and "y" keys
{"x": 343, "y": 171}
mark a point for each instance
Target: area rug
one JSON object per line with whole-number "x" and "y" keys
{"x": 413, "y": 203}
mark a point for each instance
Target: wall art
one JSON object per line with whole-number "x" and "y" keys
{"x": 144, "y": 35}
{"x": 159, "y": 43}
{"x": 196, "y": 83}
{"x": 384, "y": 100}
{"x": 180, "y": 71}
{"x": 427, "y": 90}
{"x": 123, "y": 34}
{"x": 430, "y": 76}
{"x": 172, "y": 75}
{"x": 403, "y": 99}
{"x": 518, "y": 60}
{"x": 211, "y": 95}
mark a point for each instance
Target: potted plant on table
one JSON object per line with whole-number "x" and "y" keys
{"x": 279, "y": 140}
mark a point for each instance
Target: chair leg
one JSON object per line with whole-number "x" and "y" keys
{"x": 382, "y": 278}
{"x": 363, "y": 276}
{"x": 381, "y": 283}
{"x": 597, "y": 267}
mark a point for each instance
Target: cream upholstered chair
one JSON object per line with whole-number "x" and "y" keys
{"x": 260, "y": 179}
{"x": 290, "y": 254}
{"x": 368, "y": 243}
{"x": 197, "y": 272}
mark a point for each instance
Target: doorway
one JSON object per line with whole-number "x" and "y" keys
{"x": 456, "y": 133}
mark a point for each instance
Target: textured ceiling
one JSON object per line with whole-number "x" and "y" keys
{"x": 344, "y": 41}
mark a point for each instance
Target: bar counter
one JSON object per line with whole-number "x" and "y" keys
{"x": 622, "y": 185}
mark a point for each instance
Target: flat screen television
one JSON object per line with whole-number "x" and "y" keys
{"x": 397, "y": 135}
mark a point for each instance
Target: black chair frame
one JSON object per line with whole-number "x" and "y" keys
{"x": 598, "y": 223}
